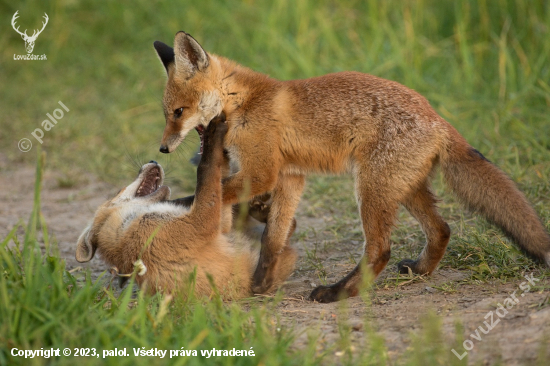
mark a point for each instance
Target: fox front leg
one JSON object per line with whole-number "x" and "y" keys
{"x": 280, "y": 225}
{"x": 188, "y": 201}
{"x": 207, "y": 202}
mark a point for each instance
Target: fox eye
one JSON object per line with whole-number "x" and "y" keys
{"x": 178, "y": 112}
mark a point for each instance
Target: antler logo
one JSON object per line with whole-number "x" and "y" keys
{"x": 29, "y": 41}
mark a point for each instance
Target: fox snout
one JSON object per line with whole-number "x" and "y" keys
{"x": 170, "y": 140}
{"x": 169, "y": 145}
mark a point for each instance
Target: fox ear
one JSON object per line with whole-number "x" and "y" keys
{"x": 85, "y": 246}
{"x": 190, "y": 56}
{"x": 165, "y": 53}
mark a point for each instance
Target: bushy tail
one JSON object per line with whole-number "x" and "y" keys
{"x": 485, "y": 189}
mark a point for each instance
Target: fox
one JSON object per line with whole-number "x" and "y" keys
{"x": 174, "y": 241}
{"x": 385, "y": 134}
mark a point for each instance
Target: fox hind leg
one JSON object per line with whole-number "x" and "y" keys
{"x": 421, "y": 204}
{"x": 378, "y": 209}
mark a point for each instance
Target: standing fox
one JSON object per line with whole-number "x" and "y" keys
{"x": 385, "y": 134}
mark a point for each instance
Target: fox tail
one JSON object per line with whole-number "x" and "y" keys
{"x": 485, "y": 189}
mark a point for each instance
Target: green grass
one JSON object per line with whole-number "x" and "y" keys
{"x": 483, "y": 65}
{"x": 45, "y": 306}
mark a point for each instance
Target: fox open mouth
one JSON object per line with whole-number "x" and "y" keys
{"x": 151, "y": 182}
{"x": 200, "y": 131}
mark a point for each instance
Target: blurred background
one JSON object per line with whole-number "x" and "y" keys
{"x": 484, "y": 66}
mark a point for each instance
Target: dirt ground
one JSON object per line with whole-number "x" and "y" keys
{"x": 395, "y": 312}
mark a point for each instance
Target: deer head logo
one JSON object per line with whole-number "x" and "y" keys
{"x": 29, "y": 41}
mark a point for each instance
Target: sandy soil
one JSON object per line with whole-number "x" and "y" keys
{"x": 395, "y": 312}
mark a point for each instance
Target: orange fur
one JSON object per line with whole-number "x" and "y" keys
{"x": 385, "y": 134}
{"x": 174, "y": 241}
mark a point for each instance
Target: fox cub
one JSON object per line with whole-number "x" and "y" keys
{"x": 171, "y": 240}
{"x": 383, "y": 133}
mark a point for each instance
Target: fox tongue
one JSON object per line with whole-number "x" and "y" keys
{"x": 150, "y": 183}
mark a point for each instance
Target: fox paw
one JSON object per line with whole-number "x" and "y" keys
{"x": 217, "y": 127}
{"x": 406, "y": 264}
{"x": 262, "y": 287}
{"x": 326, "y": 294}
{"x": 262, "y": 280}
{"x": 259, "y": 209}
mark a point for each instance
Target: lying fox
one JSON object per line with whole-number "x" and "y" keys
{"x": 385, "y": 134}
{"x": 171, "y": 240}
